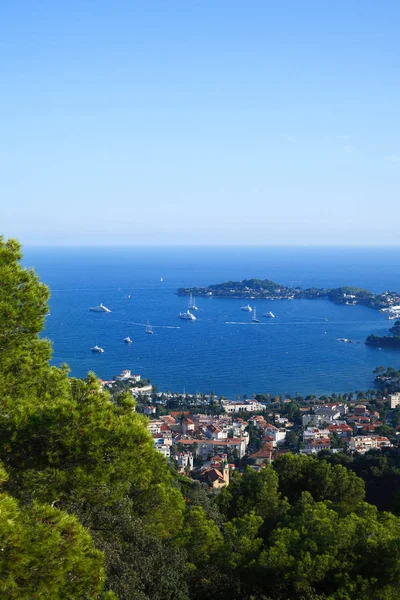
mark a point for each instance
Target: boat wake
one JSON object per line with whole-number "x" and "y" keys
{"x": 153, "y": 326}
{"x": 244, "y": 323}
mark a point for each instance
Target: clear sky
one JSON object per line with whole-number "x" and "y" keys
{"x": 200, "y": 121}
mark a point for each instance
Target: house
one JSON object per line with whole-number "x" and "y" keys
{"x": 126, "y": 375}
{"x": 216, "y": 478}
{"x": 150, "y": 410}
{"x": 263, "y": 455}
{"x": 314, "y": 433}
{"x": 155, "y": 426}
{"x": 328, "y": 414}
{"x": 206, "y": 447}
{"x": 164, "y": 449}
{"x": 215, "y": 433}
{"x": 187, "y": 425}
{"x": 360, "y": 409}
{"x": 277, "y": 434}
{"x": 184, "y": 460}
{"x": 363, "y": 443}
{"x": 341, "y": 429}
{"x": 312, "y": 446}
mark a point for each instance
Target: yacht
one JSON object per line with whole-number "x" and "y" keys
{"x": 394, "y": 317}
{"x": 254, "y": 319}
{"x": 247, "y": 308}
{"x": 128, "y": 340}
{"x": 100, "y": 308}
{"x": 187, "y": 316}
{"x": 149, "y": 329}
{"x": 97, "y": 349}
{"x": 192, "y": 304}
{"x": 269, "y": 314}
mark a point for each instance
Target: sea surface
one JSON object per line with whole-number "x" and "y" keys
{"x": 222, "y": 350}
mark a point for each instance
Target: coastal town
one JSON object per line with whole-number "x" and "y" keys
{"x": 208, "y": 438}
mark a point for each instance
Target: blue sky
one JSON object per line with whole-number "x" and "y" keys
{"x": 200, "y": 122}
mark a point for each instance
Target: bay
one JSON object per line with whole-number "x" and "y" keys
{"x": 222, "y": 350}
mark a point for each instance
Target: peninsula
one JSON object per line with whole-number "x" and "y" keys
{"x": 386, "y": 341}
{"x": 265, "y": 289}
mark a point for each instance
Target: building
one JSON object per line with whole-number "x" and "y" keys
{"x": 314, "y": 433}
{"x": 184, "y": 460}
{"x": 277, "y": 434}
{"x": 207, "y": 447}
{"x": 126, "y": 375}
{"x": 164, "y": 449}
{"x": 245, "y": 406}
{"x": 263, "y": 455}
{"x": 215, "y": 433}
{"x": 312, "y": 446}
{"x": 394, "y": 400}
{"x": 327, "y": 414}
{"x": 216, "y": 478}
{"x": 341, "y": 429}
{"x": 363, "y": 443}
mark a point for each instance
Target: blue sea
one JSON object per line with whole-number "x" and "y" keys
{"x": 222, "y": 350}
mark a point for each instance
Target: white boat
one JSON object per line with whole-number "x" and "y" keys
{"x": 100, "y": 308}
{"x": 128, "y": 340}
{"x": 161, "y": 279}
{"x": 187, "y": 316}
{"x": 394, "y": 317}
{"x": 192, "y": 304}
{"x": 97, "y": 349}
{"x": 254, "y": 318}
{"x": 269, "y": 315}
{"x": 344, "y": 340}
{"x": 247, "y": 308}
{"x": 149, "y": 329}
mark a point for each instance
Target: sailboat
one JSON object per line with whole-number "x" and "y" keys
{"x": 254, "y": 319}
{"x": 161, "y": 279}
{"x": 149, "y": 329}
{"x": 192, "y": 304}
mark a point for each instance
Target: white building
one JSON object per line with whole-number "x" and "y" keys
{"x": 164, "y": 449}
{"x": 231, "y": 406}
{"x": 126, "y": 375}
{"x": 278, "y": 434}
{"x": 155, "y": 426}
{"x": 363, "y": 443}
{"x": 184, "y": 460}
{"x": 315, "y": 433}
{"x": 394, "y": 400}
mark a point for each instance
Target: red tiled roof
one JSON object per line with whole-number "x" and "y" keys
{"x": 214, "y": 475}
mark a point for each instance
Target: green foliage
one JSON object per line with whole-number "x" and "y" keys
{"x": 258, "y": 492}
{"x": 46, "y": 553}
{"x": 345, "y": 558}
{"x": 139, "y": 565}
{"x": 200, "y": 537}
{"x": 324, "y": 481}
